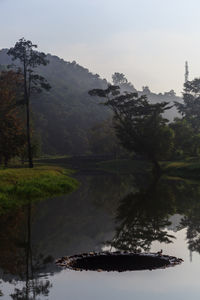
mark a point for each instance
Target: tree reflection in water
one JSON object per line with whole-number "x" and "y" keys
{"x": 19, "y": 260}
{"x": 32, "y": 289}
{"x": 143, "y": 217}
{"x": 191, "y": 221}
{"x": 1, "y": 293}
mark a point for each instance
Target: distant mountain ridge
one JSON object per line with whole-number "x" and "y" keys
{"x": 63, "y": 116}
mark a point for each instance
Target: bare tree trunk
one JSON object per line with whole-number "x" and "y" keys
{"x": 30, "y": 159}
{"x": 27, "y": 101}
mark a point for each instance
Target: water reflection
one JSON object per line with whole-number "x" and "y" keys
{"x": 144, "y": 216}
{"x": 191, "y": 221}
{"x": 33, "y": 236}
{"x": 1, "y": 293}
{"x": 131, "y": 213}
{"x": 19, "y": 261}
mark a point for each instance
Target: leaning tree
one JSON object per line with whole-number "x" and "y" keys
{"x": 28, "y": 59}
{"x": 139, "y": 125}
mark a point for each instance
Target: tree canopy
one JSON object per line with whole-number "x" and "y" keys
{"x": 29, "y": 59}
{"x": 139, "y": 125}
{"x": 190, "y": 108}
{"x": 189, "y": 126}
{"x": 70, "y": 107}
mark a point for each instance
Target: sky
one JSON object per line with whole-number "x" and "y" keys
{"x": 147, "y": 40}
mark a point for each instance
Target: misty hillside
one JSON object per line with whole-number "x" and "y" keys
{"x": 167, "y": 97}
{"x": 63, "y": 116}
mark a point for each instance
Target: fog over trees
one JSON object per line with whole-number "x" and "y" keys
{"x": 65, "y": 118}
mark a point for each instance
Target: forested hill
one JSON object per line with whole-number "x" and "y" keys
{"x": 64, "y": 116}
{"x": 66, "y": 113}
{"x": 165, "y": 97}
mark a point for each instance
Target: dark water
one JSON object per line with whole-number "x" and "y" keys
{"x": 107, "y": 212}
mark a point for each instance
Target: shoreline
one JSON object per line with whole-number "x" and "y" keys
{"x": 18, "y": 186}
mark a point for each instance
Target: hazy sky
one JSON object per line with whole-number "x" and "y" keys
{"x": 147, "y": 40}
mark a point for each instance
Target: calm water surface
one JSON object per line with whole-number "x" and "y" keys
{"x": 107, "y": 212}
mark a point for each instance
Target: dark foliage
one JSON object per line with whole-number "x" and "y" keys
{"x": 29, "y": 59}
{"x": 139, "y": 125}
{"x": 64, "y": 116}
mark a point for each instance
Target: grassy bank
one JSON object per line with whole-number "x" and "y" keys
{"x": 186, "y": 169}
{"x": 17, "y": 186}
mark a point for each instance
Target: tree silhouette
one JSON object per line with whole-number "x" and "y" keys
{"x": 120, "y": 80}
{"x": 29, "y": 60}
{"x": 139, "y": 125}
{"x": 142, "y": 218}
{"x": 20, "y": 258}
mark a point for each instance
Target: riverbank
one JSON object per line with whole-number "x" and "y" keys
{"x": 189, "y": 168}
{"x": 19, "y": 185}
{"x": 185, "y": 168}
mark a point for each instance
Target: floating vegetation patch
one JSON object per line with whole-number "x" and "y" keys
{"x": 117, "y": 261}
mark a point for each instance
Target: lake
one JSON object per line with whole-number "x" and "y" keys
{"x": 107, "y": 212}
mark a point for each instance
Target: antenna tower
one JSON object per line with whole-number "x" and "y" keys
{"x": 186, "y": 72}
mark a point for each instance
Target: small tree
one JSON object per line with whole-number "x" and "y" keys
{"x": 190, "y": 108}
{"x": 190, "y": 111}
{"x": 120, "y": 80}
{"x": 29, "y": 60}
{"x": 139, "y": 124}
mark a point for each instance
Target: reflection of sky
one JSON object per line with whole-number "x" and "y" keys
{"x": 148, "y": 40}
{"x": 179, "y": 283}
{"x": 173, "y": 283}
{"x": 84, "y": 219}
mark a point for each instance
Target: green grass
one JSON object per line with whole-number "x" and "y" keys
{"x": 18, "y": 186}
{"x": 189, "y": 168}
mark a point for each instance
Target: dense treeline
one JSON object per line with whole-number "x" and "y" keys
{"x": 62, "y": 117}
{"x": 142, "y": 128}
{"x": 66, "y": 119}
{"x": 139, "y": 125}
